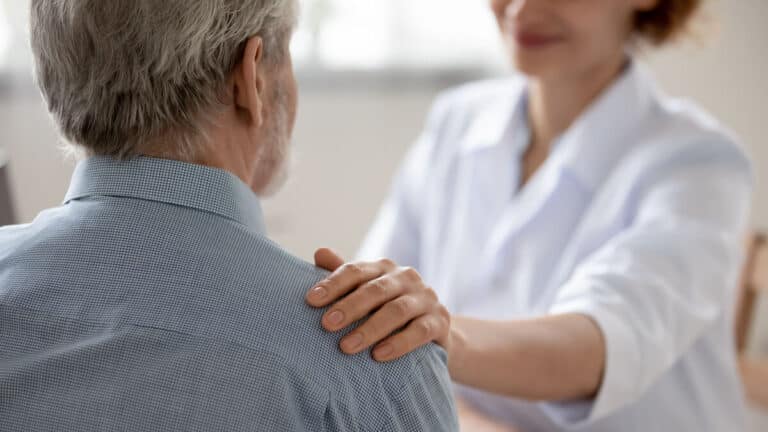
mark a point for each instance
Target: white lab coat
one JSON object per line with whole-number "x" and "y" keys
{"x": 636, "y": 219}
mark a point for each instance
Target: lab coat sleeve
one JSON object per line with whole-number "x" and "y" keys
{"x": 396, "y": 232}
{"x": 655, "y": 288}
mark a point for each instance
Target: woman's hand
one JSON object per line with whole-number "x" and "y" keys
{"x": 396, "y": 297}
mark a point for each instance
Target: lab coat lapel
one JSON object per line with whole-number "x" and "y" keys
{"x": 585, "y": 154}
{"x": 488, "y": 157}
{"x": 594, "y": 153}
{"x": 484, "y": 184}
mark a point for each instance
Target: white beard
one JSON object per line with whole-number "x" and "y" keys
{"x": 280, "y": 170}
{"x": 273, "y": 167}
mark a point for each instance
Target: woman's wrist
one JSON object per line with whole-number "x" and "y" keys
{"x": 456, "y": 348}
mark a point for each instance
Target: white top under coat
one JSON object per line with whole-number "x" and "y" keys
{"x": 636, "y": 219}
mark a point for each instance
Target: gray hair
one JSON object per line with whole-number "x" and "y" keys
{"x": 118, "y": 75}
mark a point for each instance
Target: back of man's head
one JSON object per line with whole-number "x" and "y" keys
{"x": 119, "y": 74}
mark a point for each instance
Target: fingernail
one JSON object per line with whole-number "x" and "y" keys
{"x": 318, "y": 293}
{"x": 352, "y": 342}
{"x": 383, "y": 351}
{"x": 335, "y": 317}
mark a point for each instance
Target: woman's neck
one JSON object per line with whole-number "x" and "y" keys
{"x": 554, "y": 104}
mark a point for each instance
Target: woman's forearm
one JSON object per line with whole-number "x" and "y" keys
{"x": 470, "y": 419}
{"x": 558, "y": 357}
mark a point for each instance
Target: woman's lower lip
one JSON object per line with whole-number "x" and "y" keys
{"x": 534, "y": 41}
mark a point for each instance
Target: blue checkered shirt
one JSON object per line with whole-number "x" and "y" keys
{"x": 152, "y": 301}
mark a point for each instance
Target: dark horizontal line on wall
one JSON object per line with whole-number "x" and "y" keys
{"x": 387, "y": 79}
{"x": 20, "y": 84}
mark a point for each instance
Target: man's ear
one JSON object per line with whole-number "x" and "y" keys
{"x": 249, "y": 81}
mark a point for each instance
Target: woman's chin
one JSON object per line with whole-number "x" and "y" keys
{"x": 537, "y": 65}
{"x": 531, "y": 69}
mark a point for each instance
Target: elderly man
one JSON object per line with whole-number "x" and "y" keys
{"x": 152, "y": 300}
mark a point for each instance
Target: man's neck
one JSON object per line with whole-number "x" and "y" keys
{"x": 219, "y": 152}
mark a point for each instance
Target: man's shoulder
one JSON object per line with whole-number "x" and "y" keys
{"x": 416, "y": 392}
{"x": 273, "y": 323}
{"x": 415, "y": 389}
{"x": 315, "y": 387}
{"x": 411, "y": 393}
{"x": 123, "y": 262}
{"x": 222, "y": 292}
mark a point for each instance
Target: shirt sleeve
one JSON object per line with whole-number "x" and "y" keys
{"x": 655, "y": 288}
{"x": 396, "y": 232}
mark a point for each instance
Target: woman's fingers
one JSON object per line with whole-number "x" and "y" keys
{"x": 361, "y": 302}
{"x": 345, "y": 279}
{"x": 391, "y": 317}
{"x": 369, "y": 295}
{"x": 404, "y": 313}
{"x": 419, "y": 332}
{"x": 328, "y": 259}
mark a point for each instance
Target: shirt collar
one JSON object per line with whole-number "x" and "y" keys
{"x": 608, "y": 129}
{"x": 168, "y": 181}
{"x": 592, "y": 145}
{"x": 492, "y": 123}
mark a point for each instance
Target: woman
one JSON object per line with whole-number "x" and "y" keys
{"x": 581, "y": 230}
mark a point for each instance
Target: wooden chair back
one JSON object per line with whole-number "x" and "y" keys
{"x": 754, "y": 282}
{"x": 7, "y": 216}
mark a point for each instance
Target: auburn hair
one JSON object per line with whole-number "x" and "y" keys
{"x": 666, "y": 21}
